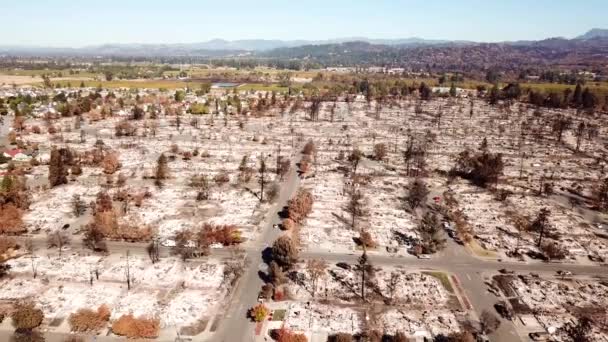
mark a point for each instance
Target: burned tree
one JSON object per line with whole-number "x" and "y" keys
{"x": 380, "y": 151}
{"x": 541, "y": 225}
{"x": 355, "y": 206}
{"x": 480, "y": 168}
{"x": 316, "y": 269}
{"x": 315, "y": 108}
{"x": 162, "y": 170}
{"x": 262, "y": 178}
{"x": 283, "y": 166}
{"x": 128, "y": 275}
{"x": 579, "y": 133}
{"x": 58, "y": 239}
{"x": 600, "y": 195}
{"x": 488, "y": 322}
{"x": 559, "y": 125}
{"x": 58, "y": 166}
{"x": 153, "y": 250}
{"x": 365, "y": 270}
{"x": 355, "y": 158}
{"x": 417, "y": 193}
{"x": 392, "y": 283}
{"x": 431, "y": 234}
{"x": 414, "y": 157}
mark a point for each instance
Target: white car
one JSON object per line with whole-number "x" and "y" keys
{"x": 168, "y": 243}
{"x": 424, "y": 256}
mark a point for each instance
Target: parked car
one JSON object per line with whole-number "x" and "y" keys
{"x": 540, "y": 336}
{"x": 424, "y": 256}
{"x": 343, "y": 265}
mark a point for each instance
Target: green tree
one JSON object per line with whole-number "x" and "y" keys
{"x": 284, "y": 251}
{"x": 180, "y": 95}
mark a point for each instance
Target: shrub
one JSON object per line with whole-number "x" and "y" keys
{"x": 226, "y": 235}
{"x": 288, "y": 224}
{"x": 380, "y": 151}
{"x": 309, "y": 148}
{"x": 259, "y": 313}
{"x": 11, "y": 221}
{"x": 553, "y": 251}
{"x": 87, "y": 320}
{"x": 340, "y": 337}
{"x": 110, "y": 163}
{"x": 124, "y": 128}
{"x": 300, "y": 206}
{"x": 131, "y": 327}
{"x": 266, "y": 291}
{"x": 366, "y": 240}
{"x": 221, "y": 178}
{"x": 285, "y": 335}
{"x": 27, "y": 336}
{"x": 26, "y": 316}
{"x": 76, "y": 170}
{"x": 6, "y": 244}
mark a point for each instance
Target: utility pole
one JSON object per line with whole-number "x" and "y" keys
{"x": 128, "y": 273}
{"x": 34, "y": 266}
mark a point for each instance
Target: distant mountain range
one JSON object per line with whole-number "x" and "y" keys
{"x": 215, "y": 47}
{"x": 592, "y": 44}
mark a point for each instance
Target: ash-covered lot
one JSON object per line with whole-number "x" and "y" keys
{"x": 395, "y": 179}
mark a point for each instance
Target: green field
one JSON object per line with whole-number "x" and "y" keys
{"x": 40, "y": 72}
{"x": 129, "y": 84}
{"x": 157, "y": 84}
{"x": 258, "y": 86}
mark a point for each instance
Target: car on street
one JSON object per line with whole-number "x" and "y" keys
{"x": 168, "y": 243}
{"x": 540, "y": 336}
{"x": 424, "y": 256}
{"x": 343, "y": 265}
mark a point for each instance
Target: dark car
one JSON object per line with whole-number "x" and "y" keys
{"x": 505, "y": 271}
{"x": 503, "y": 310}
{"x": 343, "y": 265}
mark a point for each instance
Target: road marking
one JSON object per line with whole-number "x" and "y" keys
{"x": 468, "y": 276}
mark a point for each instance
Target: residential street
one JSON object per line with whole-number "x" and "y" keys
{"x": 235, "y": 326}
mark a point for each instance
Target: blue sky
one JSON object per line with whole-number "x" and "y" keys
{"x": 79, "y": 23}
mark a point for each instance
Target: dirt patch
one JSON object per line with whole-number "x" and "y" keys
{"x": 195, "y": 328}
{"x": 18, "y": 80}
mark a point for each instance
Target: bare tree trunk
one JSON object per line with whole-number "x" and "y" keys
{"x": 128, "y": 273}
